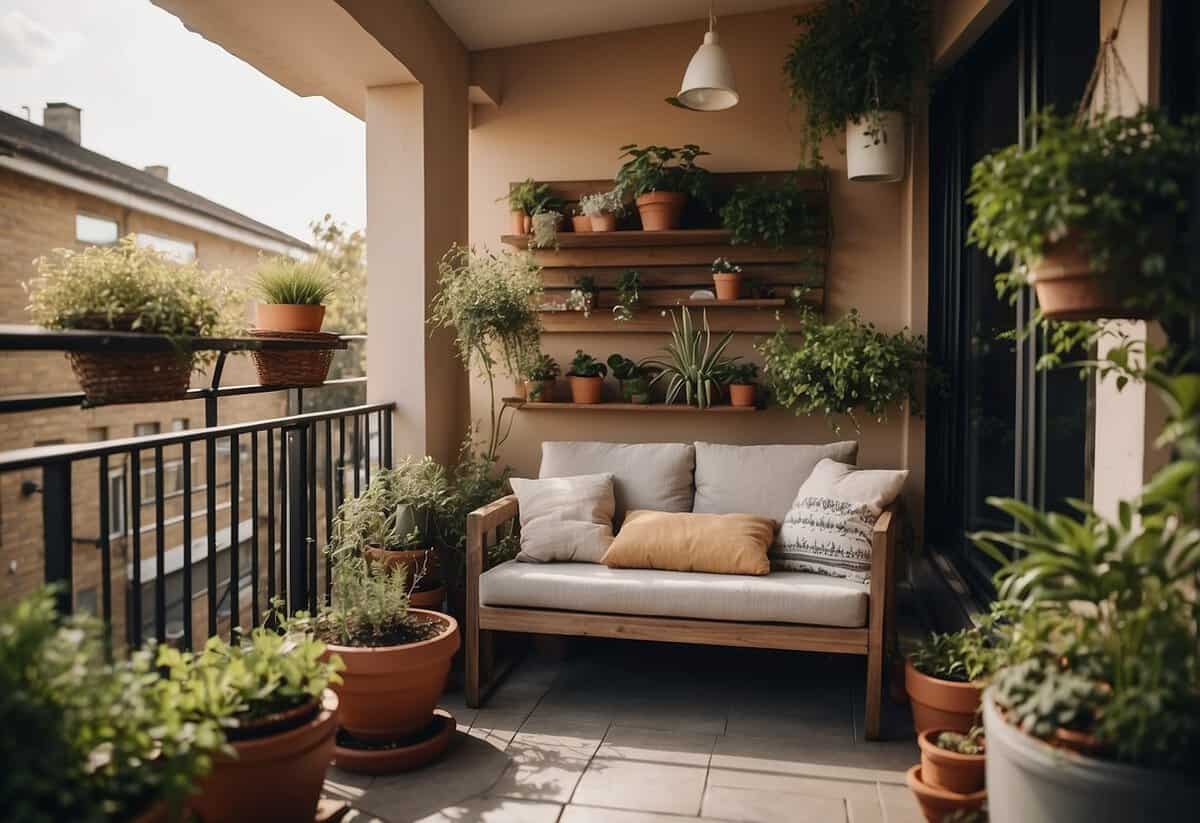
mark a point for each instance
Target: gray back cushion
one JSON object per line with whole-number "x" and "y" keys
{"x": 760, "y": 480}
{"x": 654, "y": 476}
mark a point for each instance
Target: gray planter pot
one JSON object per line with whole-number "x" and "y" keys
{"x": 1029, "y": 781}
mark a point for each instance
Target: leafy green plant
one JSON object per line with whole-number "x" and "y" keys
{"x": 722, "y": 266}
{"x": 369, "y": 606}
{"x": 85, "y": 740}
{"x": 584, "y": 296}
{"x": 969, "y": 743}
{"x": 663, "y": 168}
{"x": 545, "y": 229}
{"x": 629, "y": 297}
{"x": 584, "y": 365}
{"x": 841, "y": 367}
{"x": 693, "y": 366}
{"x": 491, "y": 301}
{"x": 624, "y": 368}
{"x": 543, "y": 367}
{"x": 772, "y": 215}
{"x": 399, "y": 509}
{"x": 287, "y": 281}
{"x": 526, "y": 196}
{"x": 741, "y": 374}
{"x": 605, "y": 202}
{"x": 1005, "y": 635}
{"x": 853, "y": 60}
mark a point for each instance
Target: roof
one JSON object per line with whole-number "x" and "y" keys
{"x": 22, "y": 138}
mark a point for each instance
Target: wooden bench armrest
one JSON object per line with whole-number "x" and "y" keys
{"x": 479, "y": 523}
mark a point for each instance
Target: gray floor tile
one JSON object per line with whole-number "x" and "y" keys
{"x": 757, "y": 806}
{"x": 496, "y": 810}
{"x": 656, "y": 746}
{"x": 642, "y": 785}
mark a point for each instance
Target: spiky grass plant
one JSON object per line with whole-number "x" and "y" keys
{"x": 694, "y": 367}
{"x": 286, "y": 281}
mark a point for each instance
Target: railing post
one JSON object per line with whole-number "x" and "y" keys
{"x": 56, "y": 520}
{"x": 297, "y": 507}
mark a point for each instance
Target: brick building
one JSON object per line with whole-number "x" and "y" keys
{"x": 54, "y": 193}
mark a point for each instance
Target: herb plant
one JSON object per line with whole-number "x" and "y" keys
{"x": 287, "y": 281}
{"x": 584, "y": 365}
{"x": 775, "y": 216}
{"x": 662, "y": 168}
{"x": 399, "y": 509}
{"x": 527, "y": 196}
{"x": 969, "y": 743}
{"x": 853, "y": 60}
{"x": 543, "y": 367}
{"x": 545, "y": 229}
{"x": 629, "y": 297}
{"x": 369, "y": 606}
{"x": 693, "y": 367}
{"x": 606, "y": 202}
{"x": 842, "y": 367}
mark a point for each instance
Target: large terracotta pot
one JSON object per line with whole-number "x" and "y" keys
{"x": 943, "y": 769}
{"x": 741, "y": 394}
{"x": 1068, "y": 289}
{"x": 661, "y": 210}
{"x": 273, "y": 778}
{"x": 286, "y": 317}
{"x": 728, "y": 285}
{"x": 940, "y": 704}
{"x": 935, "y": 803}
{"x": 518, "y": 222}
{"x": 540, "y": 391}
{"x": 603, "y": 222}
{"x": 585, "y": 390}
{"x": 389, "y": 692}
{"x": 872, "y": 160}
{"x": 581, "y": 222}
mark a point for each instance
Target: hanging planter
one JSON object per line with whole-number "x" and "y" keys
{"x": 875, "y": 148}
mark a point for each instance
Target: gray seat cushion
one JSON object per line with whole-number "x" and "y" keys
{"x": 760, "y": 480}
{"x": 653, "y": 476}
{"x": 780, "y": 597}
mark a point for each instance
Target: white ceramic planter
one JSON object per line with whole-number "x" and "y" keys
{"x": 868, "y": 161}
{"x": 1029, "y": 781}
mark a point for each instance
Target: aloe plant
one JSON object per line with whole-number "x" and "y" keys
{"x": 695, "y": 368}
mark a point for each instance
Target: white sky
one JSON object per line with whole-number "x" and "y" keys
{"x": 152, "y": 92}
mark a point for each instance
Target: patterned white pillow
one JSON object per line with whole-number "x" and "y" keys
{"x": 828, "y": 529}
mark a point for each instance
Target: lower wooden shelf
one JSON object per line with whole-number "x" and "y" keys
{"x": 652, "y": 408}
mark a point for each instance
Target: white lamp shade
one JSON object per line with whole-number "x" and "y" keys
{"x": 708, "y": 83}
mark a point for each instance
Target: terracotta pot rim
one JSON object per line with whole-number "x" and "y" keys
{"x": 961, "y": 685}
{"x": 922, "y": 789}
{"x": 925, "y": 741}
{"x": 280, "y": 744}
{"x": 660, "y": 197}
{"x": 726, "y": 275}
{"x": 584, "y": 377}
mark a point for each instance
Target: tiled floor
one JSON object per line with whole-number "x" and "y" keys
{"x": 649, "y": 733}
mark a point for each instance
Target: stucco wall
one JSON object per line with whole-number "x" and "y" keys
{"x": 565, "y": 108}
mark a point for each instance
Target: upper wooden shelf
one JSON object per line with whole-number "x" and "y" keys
{"x": 644, "y": 408}
{"x": 628, "y": 239}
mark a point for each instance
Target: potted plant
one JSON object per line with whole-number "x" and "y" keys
{"x": 586, "y": 378}
{"x": 629, "y": 284}
{"x": 544, "y": 228}
{"x": 693, "y": 368}
{"x": 85, "y": 739}
{"x": 292, "y": 294}
{"x": 951, "y": 760}
{"x": 396, "y": 661}
{"x": 584, "y": 296}
{"x": 540, "y": 378}
{"x": 523, "y": 199}
{"x": 633, "y": 376}
{"x": 270, "y": 696}
{"x": 661, "y": 180}
{"x": 127, "y": 288}
{"x": 603, "y": 209}
{"x": 940, "y": 678}
{"x": 580, "y": 222}
{"x": 854, "y": 66}
{"x": 1086, "y": 213}
{"x": 842, "y": 367}
{"x": 727, "y": 277}
{"x": 773, "y": 215}
{"x": 395, "y": 521}
{"x": 939, "y": 804}
{"x": 740, "y": 378}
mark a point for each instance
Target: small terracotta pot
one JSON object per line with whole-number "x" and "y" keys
{"x": 581, "y": 223}
{"x": 728, "y": 284}
{"x": 937, "y": 803}
{"x": 603, "y": 222}
{"x": 940, "y": 704}
{"x": 540, "y": 391}
{"x": 942, "y": 769}
{"x": 741, "y": 394}
{"x": 388, "y": 692}
{"x": 1068, "y": 289}
{"x": 421, "y": 562}
{"x": 661, "y": 210}
{"x": 278, "y": 777}
{"x": 585, "y": 390}
{"x": 518, "y": 223}
{"x": 286, "y": 317}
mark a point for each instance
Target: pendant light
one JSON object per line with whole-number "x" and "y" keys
{"x": 708, "y": 83}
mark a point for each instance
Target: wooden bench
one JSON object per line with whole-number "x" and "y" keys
{"x": 871, "y": 640}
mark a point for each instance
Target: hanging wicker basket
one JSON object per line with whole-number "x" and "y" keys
{"x": 308, "y": 367}
{"x": 132, "y": 377}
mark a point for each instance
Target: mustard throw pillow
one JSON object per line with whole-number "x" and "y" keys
{"x": 686, "y": 542}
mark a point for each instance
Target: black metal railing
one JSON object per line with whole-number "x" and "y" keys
{"x": 266, "y": 501}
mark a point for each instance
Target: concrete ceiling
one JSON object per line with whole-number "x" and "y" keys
{"x": 491, "y": 24}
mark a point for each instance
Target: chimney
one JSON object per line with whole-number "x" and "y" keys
{"x": 158, "y": 171}
{"x": 64, "y": 119}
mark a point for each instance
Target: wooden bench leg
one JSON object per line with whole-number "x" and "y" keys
{"x": 875, "y": 655}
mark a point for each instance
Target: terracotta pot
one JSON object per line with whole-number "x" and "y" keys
{"x": 729, "y": 285}
{"x": 942, "y": 769}
{"x": 661, "y": 210}
{"x": 431, "y": 599}
{"x": 603, "y": 222}
{"x": 940, "y": 704}
{"x": 389, "y": 692}
{"x": 518, "y": 222}
{"x": 585, "y": 389}
{"x": 540, "y": 391}
{"x": 278, "y": 777}
{"x": 392, "y": 759}
{"x": 742, "y": 394}
{"x": 581, "y": 222}
{"x": 421, "y": 562}
{"x": 284, "y": 317}
{"x": 1068, "y": 289}
{"x": 937, "y": 803}
{"x": 1080, "y": 742}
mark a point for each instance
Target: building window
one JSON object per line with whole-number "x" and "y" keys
{"x": 86, "y": 602}
{"x": 97, "y": 434}
{"x": 146, "y": 429}
{"x": 98, "y": 231}
{"x": 179, "y": 424}
{"x": 116, "y": 502}
{"x": 181, "y": 251}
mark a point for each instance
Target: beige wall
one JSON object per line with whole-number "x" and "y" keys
{"x": 957, "y": 24}
{"x": 567, "y": 106}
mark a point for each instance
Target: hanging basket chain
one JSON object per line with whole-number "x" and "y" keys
{"x": 1107, "y": 75}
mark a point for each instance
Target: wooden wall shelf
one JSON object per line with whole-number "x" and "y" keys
{"x": 640, "y": 408}
{"x": 658, "y": 319}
